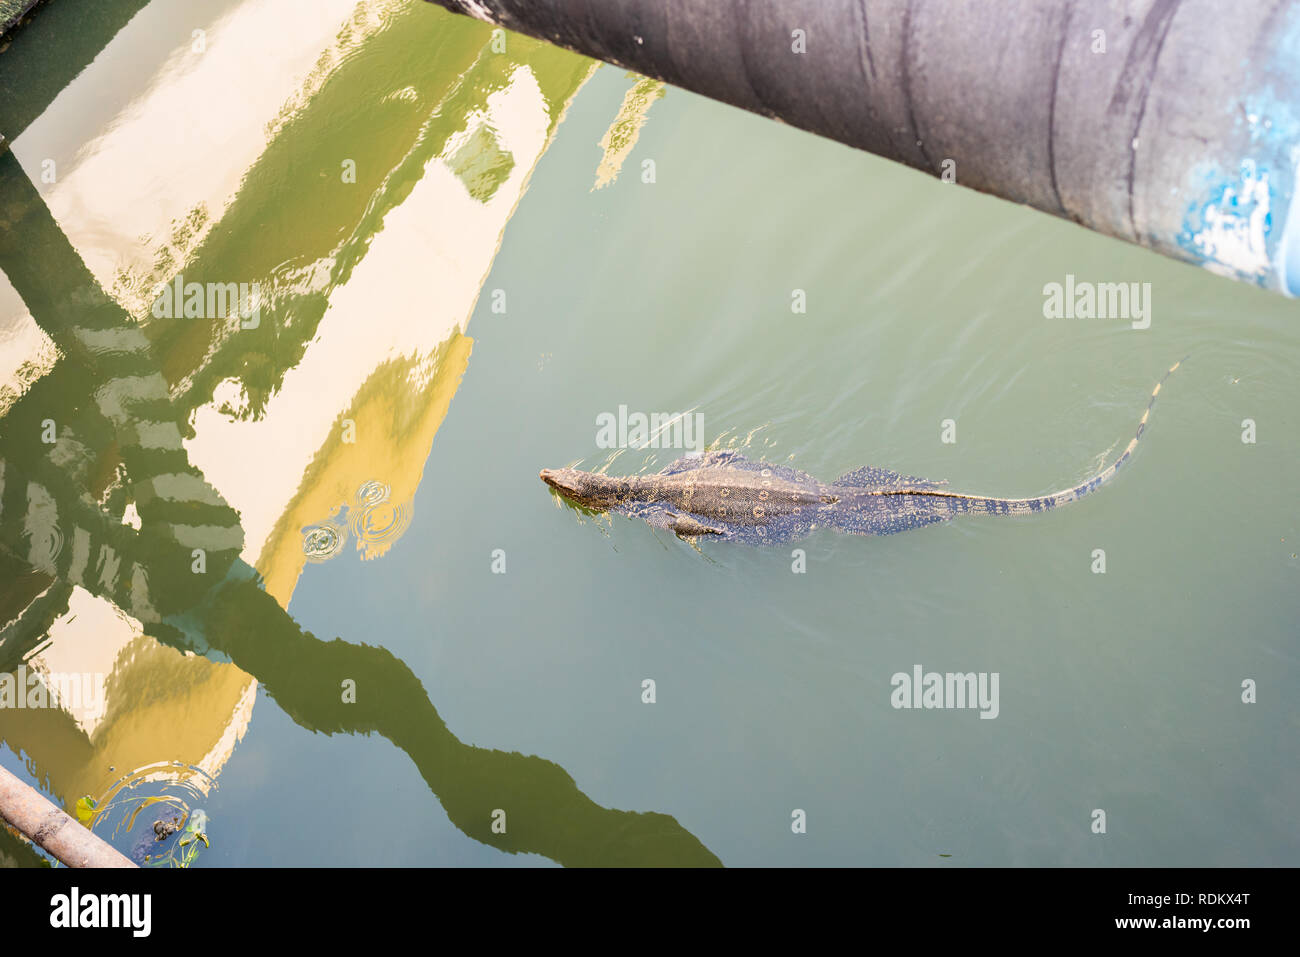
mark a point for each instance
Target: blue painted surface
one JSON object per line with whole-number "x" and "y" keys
{"x": 1284, "y": 112}
{"x": 1228, "y": 226}
{"x": 1289, "y": 251}
{"x": 1243, "y": 219}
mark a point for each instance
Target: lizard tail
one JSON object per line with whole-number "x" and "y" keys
{"x": 1024, "y": 506}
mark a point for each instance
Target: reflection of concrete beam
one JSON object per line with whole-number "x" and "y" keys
{"x": 249, "y": 59}
{"x": 150, "y": 704}
{"x": 436, "y": 248}
{"x": 55, "y": 47}
{"x": 549, "y": 814}
{"x": 30, "y": 625}
{"x": 130, "y": 394}
{"x": 1166, "y": 125}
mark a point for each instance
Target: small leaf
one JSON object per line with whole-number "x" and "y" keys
{"x": 86, "y": 809}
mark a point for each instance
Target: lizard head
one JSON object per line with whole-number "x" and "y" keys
{"x": 589, "y": 489}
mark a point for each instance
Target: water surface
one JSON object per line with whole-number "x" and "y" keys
{"x": 503, "y": 270}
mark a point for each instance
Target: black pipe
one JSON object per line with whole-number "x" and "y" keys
{"x": 1174, "y": 124}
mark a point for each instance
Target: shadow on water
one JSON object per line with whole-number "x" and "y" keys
{"x": 549, "y": 815}
{"x": 119, "y": 445}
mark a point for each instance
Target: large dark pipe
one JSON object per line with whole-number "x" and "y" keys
{"x": 28, "y": 811}
{"x": 1174, "y": 124}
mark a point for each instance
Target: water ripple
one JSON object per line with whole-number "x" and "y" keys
{"x": 372, "y": 493}
{"x": 322, "y": 542}
{"x": 144, "y": 812}
{"x": 378, "y": 525}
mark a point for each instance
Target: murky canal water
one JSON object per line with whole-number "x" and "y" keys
{"x": 460, "y": 255}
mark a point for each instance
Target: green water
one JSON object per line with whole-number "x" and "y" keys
{"x": 472, "y": 304}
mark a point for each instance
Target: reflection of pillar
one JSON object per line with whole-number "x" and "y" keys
{"x": 134, "y": 568}
{"x": 30, "y": 601}
{"x": 143, "y": 702}
{"x": 553, "y": 818}
{"x": 364, "y": 400}
{"x": 176, "y": 502}
{"x": 395, "y": 420}
{"x": 60, "y": 43}
{"x": 133, "y": 702}
{"x": 208, "y": 80}
{"x": 548, "y": 813}
{"x": 620, "y": 139}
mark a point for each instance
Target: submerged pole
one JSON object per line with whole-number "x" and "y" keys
{"x": 1173, "y": 124}
{"x": 47, "y": 826}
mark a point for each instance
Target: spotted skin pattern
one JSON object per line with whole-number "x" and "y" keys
{"x": 724, "y": 496}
